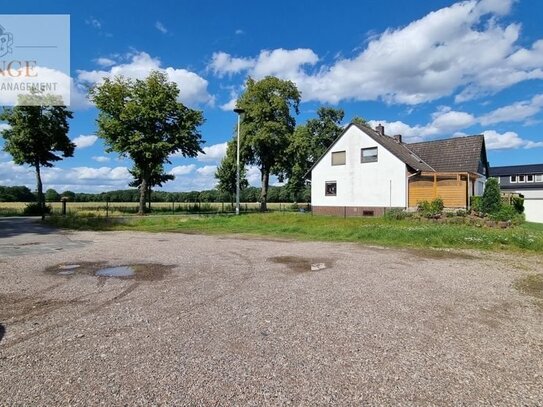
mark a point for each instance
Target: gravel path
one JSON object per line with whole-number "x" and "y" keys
{"x": 240, "y": 321}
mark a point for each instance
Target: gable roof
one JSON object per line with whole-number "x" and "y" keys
{"x": 400, "y": 150}
{"x": 516, "y": 170}
{"x": 458, "y": 154}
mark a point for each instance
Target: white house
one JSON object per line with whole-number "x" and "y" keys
{"x": 365, "y": 171}
{"x": 526, "y": 180}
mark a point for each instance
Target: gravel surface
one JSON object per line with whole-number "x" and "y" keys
{"x": 211, "y": 320}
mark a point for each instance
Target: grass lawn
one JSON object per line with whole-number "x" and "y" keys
{"x": 303, "y": 226}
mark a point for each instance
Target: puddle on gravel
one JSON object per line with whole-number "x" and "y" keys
{"x": 531, "y": 285}
{"x": 140, "y": 271}
{"x": 119, "y": 271}
{"x": 302, "y": 264}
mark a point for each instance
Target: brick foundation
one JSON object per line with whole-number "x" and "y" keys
{"x": 348, "y": 210}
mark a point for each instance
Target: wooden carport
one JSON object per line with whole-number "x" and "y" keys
{"x": 454, "y": 188}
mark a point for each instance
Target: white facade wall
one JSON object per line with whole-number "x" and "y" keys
{"x": 533, "y": 204}
{"x": 375, "y": 184}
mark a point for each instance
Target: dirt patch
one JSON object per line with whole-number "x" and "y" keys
{"x": 530, "y": 285}
{"x": 437, "y": 254}
{"x": 301, "y": 264}
{"x": 140, "y": 271}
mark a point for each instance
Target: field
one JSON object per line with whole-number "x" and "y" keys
{"x": 131, "y": 208}
{"x": 527, "y": 237}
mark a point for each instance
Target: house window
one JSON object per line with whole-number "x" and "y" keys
{"x": 539, "y": 178}
{"x": 529, "y": 178}
{"x": 331, "y": 188}
{"x": 513, "y": 179}
{"x": 369, "y": 155}
{"x": 338, "y": 158}
{"x": 521, "y": 178}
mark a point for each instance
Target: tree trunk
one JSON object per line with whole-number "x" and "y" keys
{"x": 264, "y": 192}
{"x": 39, "y": 187}
{"x": 143, "y": 195}
{"x": 149, "y": 197}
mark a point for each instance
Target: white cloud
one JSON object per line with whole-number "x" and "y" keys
{"x": 515, "y": 112}
{"x": 4, "y": 126}
{"x": 207, "y": 170}
{"x": 160, "y": 27}
{"x": 193, "y": 88}
{"x": 182, "y": 169}
{"x": 101, "y": 158}
{"x": 213, "y": 153}
{"x": 105, "y": 61}
{"x": 85, "y": 141}
{"x": 461, "y": 48}
{"x": 223, "y": 63}
{"x": 239, "y": 31}
{"x": 509, "y": 139}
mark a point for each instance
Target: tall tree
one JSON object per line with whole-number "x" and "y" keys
{"x": 267, "y": 125}
{"x": 144, "y": 120}
{"x": 37, "y": 133}
{"x": 226, "y": 172}
{"x": 308, "y": 143}
{"x": 359, "y": 120}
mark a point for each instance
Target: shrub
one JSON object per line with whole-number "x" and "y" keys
{"x": 504, "y": 214}
{"x": 518, "y": 204}
{"x": 476, "y": 204}
{"x": 395, "y": 214}
{"x": 491, "y": 201}
{"x": 33, "y": 209}
{"x": 461, "y": 213}
{"x": 431, "y": 209}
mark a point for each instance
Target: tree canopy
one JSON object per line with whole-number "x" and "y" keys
{"x": 37, "y": 135}
{"x": 268, "y": 121}
{"x": 226, "y": 171}
{"x": 144, "y": 120}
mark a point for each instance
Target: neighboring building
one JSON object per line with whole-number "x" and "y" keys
{"x": 365, "y": 171}
{"x": 526, "y": 180}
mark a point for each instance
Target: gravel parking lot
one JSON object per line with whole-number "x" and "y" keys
{"x": 222, "y": 320}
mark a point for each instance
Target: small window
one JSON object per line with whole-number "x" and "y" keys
{"x": 369, "y": 155}
{"x": 368, "y": 213}
{"x": 338, "y": 158}
{"x": 521, "y": 178}
{"x": 529, "y": 178}
{"x": 513, "y": 179}
{"x": 331, "y": 188}
{"x": 539, "y": 178}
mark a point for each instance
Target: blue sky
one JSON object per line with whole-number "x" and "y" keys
{"x": 426, "y": 70}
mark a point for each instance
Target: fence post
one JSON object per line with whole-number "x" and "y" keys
{"x": 173, "y": 207}
{"x": 63, "y": 200}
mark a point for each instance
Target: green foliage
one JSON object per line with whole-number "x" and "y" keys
{"x": 359, "y": 120}
{"x": 431, "y": 209}
{"x": 35, "y": 209}
{"x": 491, "y": 200}
{"x": 461, "y": 213}
{"x": 268, "y": 122}
{"x": 69, "y": 195}
{"x": 518, "y": 203}
{"x": 227, "y": 169}
{"x": 16, "y": 194}
{"x": 37, "y": 133}
{"x": 506, "y": 213}
{"x": 396, "y": 214}
{"x": 144, "y": 120}
{"x": 476, "y": 203}
{"x": 52, "y": 196}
